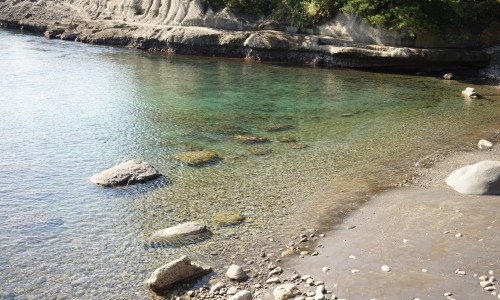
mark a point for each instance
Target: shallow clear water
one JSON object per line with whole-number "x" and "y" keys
{"x": 70, "y": 110}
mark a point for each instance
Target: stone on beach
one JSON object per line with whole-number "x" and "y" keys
{"x": 216, "y": 287}
{"x": 181, "y": 230}
{"x": 482, "y": 178}
{"x": 181, "y": 269}
{"x": 484, "y": 145}
{"x": 242, "y": 295}
{"x": 197, "y": 158}
{"x": 385, "y": 268}
{"x": 236, "y": 272}
{"x": 285, "y": 291}
{"x": 129, "y": 172}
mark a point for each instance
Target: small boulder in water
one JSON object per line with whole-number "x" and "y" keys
{"x": 129, "y": 172}
{"x": 287, "y": 139}
{"x": 250, "y": 139}
{"x": 279, "y": 127}
{"x": 482, "y": 178}
{"x": 181, "y": 269}
{"x": 197, "y": 158}
{"x": 447, "y": 76}
{"x": 259, "y": 150}
{"x": 181, "y": 230}
{"x": 470, "y": 92}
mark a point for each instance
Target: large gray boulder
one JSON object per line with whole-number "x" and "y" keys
{"x": 482, "y": 178}
{"x": 129, "y": 172}
{"x": 179, "y": 270}
{"x": 181, "y": 230}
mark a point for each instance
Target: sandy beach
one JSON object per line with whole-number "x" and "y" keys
{"x": 425, "y": 233}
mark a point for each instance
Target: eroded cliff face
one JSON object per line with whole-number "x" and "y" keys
{"x": 189, "y": 27}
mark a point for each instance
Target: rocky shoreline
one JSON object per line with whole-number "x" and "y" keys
{"x": 422, "y": 241}
{"x": 222, "y": 34}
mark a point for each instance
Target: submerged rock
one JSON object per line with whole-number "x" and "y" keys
{"x": 287, "y": 139}
{"x": 181, "y": 230}
{"x": 197, "y": 158}
{"x": 259, "y": 150}
{"x": 129, "y": 172}
{"x": 298, "y": 146}
{"x": 228, "y": 218}
{"x": 482, "y": 178}
{"x": 181, "y": 269}
{"x": 250, "y": 139}
{"x": 279, "y": 127}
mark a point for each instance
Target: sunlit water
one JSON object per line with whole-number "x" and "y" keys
{"x": 70, "y": 110}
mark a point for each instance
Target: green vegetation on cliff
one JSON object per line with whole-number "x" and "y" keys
{"x": 438, "y": 16}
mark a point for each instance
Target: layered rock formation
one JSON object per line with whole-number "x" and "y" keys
{"x": 189, "y": 27}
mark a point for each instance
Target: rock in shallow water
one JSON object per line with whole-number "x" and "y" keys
{"x": 482, "y": 178}
{"x": 197, "y": 158}
{"x": 184, "y": 229}
{"x": 250, "y": 139}
{"x": 129, "y": 172}
{"x": 181, "y": 269}
{"x": 279, "y": 127}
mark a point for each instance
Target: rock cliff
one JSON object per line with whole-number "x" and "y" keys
{"x": 189, "y": 27}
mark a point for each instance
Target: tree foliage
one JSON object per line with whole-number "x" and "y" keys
{"x": 410, "y": 16}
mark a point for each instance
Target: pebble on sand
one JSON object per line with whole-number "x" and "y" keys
{"x": 325, "y": 269}
{"x": 385, "y": 268}
{"x": 353, "y": 271}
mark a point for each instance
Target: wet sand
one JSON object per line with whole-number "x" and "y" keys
{"x": 410, "y": 229}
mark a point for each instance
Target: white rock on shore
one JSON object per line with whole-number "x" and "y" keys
{"x": 237, "y": 273}
{"x": 484, "y": 145}
{"x": 482, "y": 178}
{"x": 285, "y": 291}
{"x": 242, "y": 295}
{"x": 181, "y": 269}
{"x": 129, "y": 172}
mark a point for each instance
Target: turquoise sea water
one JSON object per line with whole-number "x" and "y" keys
{"x": 70, "y": 110}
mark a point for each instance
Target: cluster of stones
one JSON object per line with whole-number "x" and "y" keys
{"x": 488, "y": 282}
{"x": 258, "y": 279}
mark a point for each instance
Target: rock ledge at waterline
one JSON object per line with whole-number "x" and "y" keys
{"x": 179, "y": 270}
{"x": 482, "y": 178}
{"x": 129, "y": 172}
{"x": 189, "y": 27}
